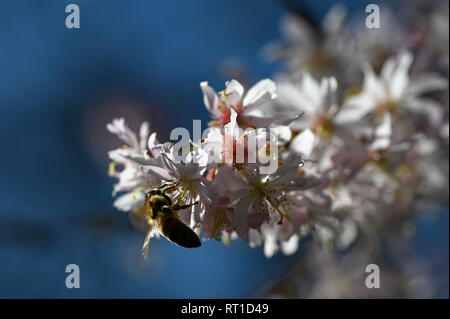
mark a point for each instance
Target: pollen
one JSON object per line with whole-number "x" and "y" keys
{"x": 112, "y": 168}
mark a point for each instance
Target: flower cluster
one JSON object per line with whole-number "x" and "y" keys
{"x": 301, "y": 156}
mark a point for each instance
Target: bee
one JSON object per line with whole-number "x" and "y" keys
{"x": 160, "y": 213}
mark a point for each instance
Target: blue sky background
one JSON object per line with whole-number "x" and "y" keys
{"x": 58, "y": 88}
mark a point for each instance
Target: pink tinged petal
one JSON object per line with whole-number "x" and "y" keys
{"x": 207, "y": 194}
{"x": 199, "y": 156}
{"x": 297, "y": 29}
{"x": 158, "y": 172}
{"x": 156, "y": 151}
{"x": 264, "y": 122}
{"x": 304, "y": 143}
{"x": 373, "y": 86}
{"x": 382, "y": 134}
{"x": 290, "y": 246}
{"x": 355, "y": 108}
{"x": 288, "y": 119}
{"x": 258, "y": 213}
{"x": 120, "y": 128}
{"x": 283, "y": 133}
{"x": 130, "y": 178}
{"x": 322, "y": 201}
{"x": 400, "y": 79}
{"x": 311, "y": 88}
{"x": 234, "y": 92}
{"x": 428, "y": 107}
{"x": 426, "y": 83}
{"x": 232, "y": 129}
{"x": 152, "y": 142}
{"x": 240, "y": 193}
{"x": 190, "y": 171}
{"x": 196, "y": 212}
{"x": 299, "y": 216}
{"x": 210, "y": 98}
{"x": 143, "y": 135}
{"x": 302, "y": 183}
{"x": 294, "y": 98}
{"x": 142, "y": 159}
{"x": 214, "y": 136}
{"x": 388, "y": 69}
{"x": 119, "y": 155}
{"x": 229, "y": 181}
{"x": 261, "y": 92}
{"x": 335, "y": 19}
{"x": 127, "y": 185}
{"x": 128, "y": 201}
{"x": 240, "y": 216}
{"x": 168, "y": 162}
{"x": 270, "y": 243}
{"x": 286, "y": 172}
{"x": 266, "y": 97}
{"x": 328, "y": 86}
{"x": 213, "y": 145}
{"x": 254, "y": 237}
{"x": 348, "y": 233}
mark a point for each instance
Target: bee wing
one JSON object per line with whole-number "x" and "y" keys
{"x": 146, "y": 244}
{"x": 138, "y": 220}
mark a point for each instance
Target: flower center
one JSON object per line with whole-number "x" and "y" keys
{"x": 323, "y": 126}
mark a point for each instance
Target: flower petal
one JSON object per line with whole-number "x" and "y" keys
{"x": 129, "y": 200}
{"x": 261, "y": 92}
{"x": 304, "y": 143}
{"x": 210, "y": 98}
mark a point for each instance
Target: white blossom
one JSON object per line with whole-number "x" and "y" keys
{"x": 348, "y": 157}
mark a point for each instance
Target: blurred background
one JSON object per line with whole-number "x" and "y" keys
{"x": 144, "y": 60}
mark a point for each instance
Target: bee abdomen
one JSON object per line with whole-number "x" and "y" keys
{"x": 177, "y": 232}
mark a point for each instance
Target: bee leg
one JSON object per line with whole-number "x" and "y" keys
{"x": 178, "y": 207}
{"x": 146, "y": 245}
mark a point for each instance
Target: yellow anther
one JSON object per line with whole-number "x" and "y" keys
{"x": 225, "y": 97}
{"x": 112, "y": 168}
{"x": 136, "y": 191}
